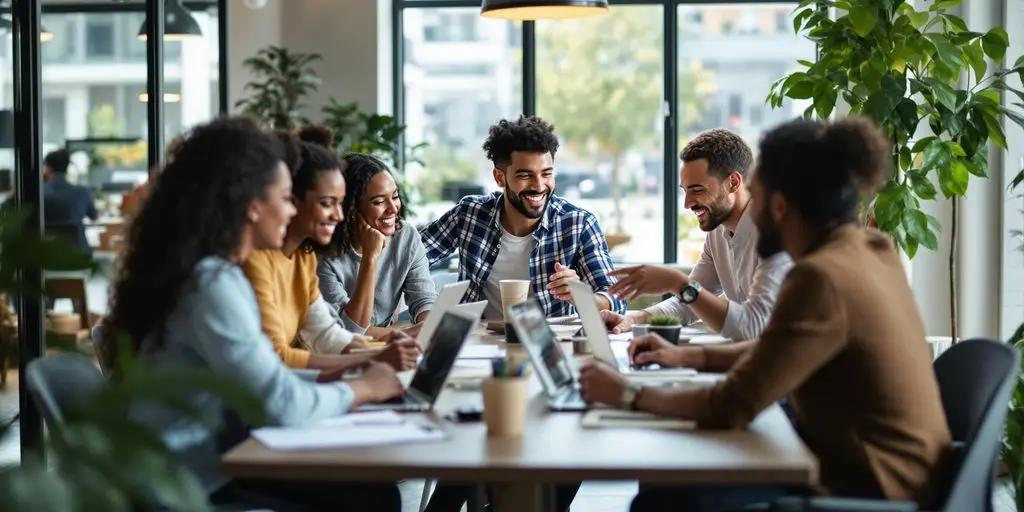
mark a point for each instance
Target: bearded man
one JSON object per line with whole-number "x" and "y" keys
{"x": 524, "y": 231}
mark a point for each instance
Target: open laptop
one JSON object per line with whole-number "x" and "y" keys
{"x": 546, "y": 354}
{"x": 450, "y": 296}
{"x": 452, "y": 329}
{"x": 597, "y": 337}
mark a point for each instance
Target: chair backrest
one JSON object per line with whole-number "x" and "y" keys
{"x": 61, "y": 385}
{"x": 73, "y": 288}
{"x": 976, "y": 378}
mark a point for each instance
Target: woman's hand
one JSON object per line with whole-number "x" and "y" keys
{"x": 371, "y": 240}
{"x": 401, "y": 355}
{"x": 377, "y": 384}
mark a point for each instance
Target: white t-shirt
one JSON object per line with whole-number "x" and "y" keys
{"x": 513, "y": 262}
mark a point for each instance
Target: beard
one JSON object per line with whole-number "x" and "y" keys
{"x": 769, "y": 237}
{"x": 717, "y": 212}
{"x": 517, "y": 202}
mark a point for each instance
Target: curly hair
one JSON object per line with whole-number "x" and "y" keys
{"x": 824, "y": 168}
{"x": 528, "y": 133}
{"x": 197, "y": 209}
{"x": 360, "y": 169}
{"x": 725, "y": 151}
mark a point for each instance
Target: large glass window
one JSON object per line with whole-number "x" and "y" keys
{"x": 461, "y": 74}
{"x": 729, "y": 55}
{"x": 600, "y": 81}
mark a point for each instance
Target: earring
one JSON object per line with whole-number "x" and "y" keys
{"x": 254, "y": 218}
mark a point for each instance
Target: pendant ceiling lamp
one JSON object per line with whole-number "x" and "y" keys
{"x": 178, "y": 23}
{"x": 527, "y": 10}
{"x": 44, "y": 35}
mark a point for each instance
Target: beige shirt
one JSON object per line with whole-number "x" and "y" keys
{"x": 729, "y": 265}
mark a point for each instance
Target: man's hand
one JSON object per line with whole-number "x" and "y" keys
{"x": 377, "y": 384}
{"x": 599, "y": 383}
{"x": 559, "y": 285}
{"x": 401, "y": 355}
{"x": 647, "y": 280}
{"x": 652, "y": 348}
{"x": 395, "y": 337}
{"x": 414, "y": 329}
{"x": 616, "y": 323}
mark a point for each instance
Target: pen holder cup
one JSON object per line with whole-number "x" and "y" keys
{"x": 504, "y": 405}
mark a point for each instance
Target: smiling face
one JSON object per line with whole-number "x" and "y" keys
{"x": 709, "y": 198}
{"x": 381, "y": 204}
{"x": 528, "y": 182}
{"x": 270, "y": 216}
{"x": 319, "y": 211}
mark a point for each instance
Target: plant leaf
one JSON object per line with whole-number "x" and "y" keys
{"x": 921, "y": 185}
{"x": 943, "y": 93}
{"x": 953, "y": 179}
{"x": 916, "y": 224}
{"x": 976, "y": 56}
{"x": 863, "y": 20}
{"x": 936, "y": 155}
{"x": 995, "y": 42}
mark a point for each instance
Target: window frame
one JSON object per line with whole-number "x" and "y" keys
{"x": 670, "y": 9}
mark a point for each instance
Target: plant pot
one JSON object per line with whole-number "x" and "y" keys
{"x": 669, "y": 332}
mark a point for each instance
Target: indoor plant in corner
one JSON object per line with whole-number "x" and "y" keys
{"x": 666, "y": 326}
{"x": 901, "y": 66}
{"x": 1013, "y": 439}
{"x": 282, "y": 80}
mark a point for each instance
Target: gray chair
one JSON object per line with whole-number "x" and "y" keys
{"x": 97, "y": 345}
{"x": 61, "y": 385}
{"x": 976, "y": 378}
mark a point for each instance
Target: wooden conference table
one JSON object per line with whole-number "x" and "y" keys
{"x": 555, "y": 448}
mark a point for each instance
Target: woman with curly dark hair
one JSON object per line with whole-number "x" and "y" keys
{"x": 372, "y": 260}
{"x": 305, "y": 331}
{"x": 182, "y": 301}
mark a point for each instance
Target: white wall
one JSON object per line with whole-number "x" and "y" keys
{"x": 353, "y": 36}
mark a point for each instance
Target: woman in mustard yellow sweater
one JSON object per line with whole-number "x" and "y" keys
{"x": 300, "y": 324}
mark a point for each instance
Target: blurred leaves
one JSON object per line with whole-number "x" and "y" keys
{"x": 283, "y": 79}
{"x": 101, "y": 457}
{"x": 902, "y": 66}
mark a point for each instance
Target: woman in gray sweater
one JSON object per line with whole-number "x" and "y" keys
{"x": 374, "y": 260}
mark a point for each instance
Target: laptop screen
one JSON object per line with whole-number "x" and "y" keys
{"x": 440, "y": 355}
{"x": 534, "y": 332}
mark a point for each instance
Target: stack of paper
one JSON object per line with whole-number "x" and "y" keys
{"x": 615, "y": 418}
{"x": 353, "y": 430}
{"x": 481, "y": 352}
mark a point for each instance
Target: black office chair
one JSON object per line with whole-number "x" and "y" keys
{"x": 976, "y": 378}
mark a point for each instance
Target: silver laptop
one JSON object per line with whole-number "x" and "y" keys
{"x": 450, "y": 296}
{"x": 597, "y": 337}
{"x": 546, "y": 354}
{"x": 436, "y": 363}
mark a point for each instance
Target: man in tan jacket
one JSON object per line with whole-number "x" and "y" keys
{"x": 845, "y": 341}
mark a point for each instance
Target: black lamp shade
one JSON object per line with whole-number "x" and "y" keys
{"x": 525, "y": 10}
{"x": 178, "y": 23}
{"x": 44, "y": 35}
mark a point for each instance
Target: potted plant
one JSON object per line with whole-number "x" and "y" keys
{"x": 666, "y": 326}
{"x": 283, "y": 79}
{"x": 900, "y": 67}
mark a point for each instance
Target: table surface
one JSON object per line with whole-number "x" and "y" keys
{"x": 555, "y": 447}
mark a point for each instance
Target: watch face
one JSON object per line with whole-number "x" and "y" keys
{"x": 689, "y": 295}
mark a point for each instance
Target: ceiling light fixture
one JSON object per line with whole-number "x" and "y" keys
{"x": 528, "y": 10}
{"x": 178, "y": 23}
{"x": 6, "y": 26}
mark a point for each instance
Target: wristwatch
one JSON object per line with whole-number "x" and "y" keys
{"x": 629, "y": 396}
{"x": 690, "y": 292}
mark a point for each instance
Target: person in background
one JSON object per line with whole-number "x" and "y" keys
{"x": 302, "y": 327}
{"x": 374, "y": 259}
{"x": 730, "y": 289}
{"x": 845, "y": 342}
{"x": 182, "y": 301}
{"x": 65, "y": 205}
{"x": 132, "y": 201}
{"x": 524, "y": 231}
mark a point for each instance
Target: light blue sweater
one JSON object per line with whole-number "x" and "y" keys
{"x": 217, "y": 327}
{"x": 402, "y": 269}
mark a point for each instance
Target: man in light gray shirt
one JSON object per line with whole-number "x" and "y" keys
{"x": 713, "y": 176}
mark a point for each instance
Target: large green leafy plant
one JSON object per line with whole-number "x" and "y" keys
{"x": 282, "y": 80}
{"x": 101, "y": 459}
{"x": 902, "y": 67}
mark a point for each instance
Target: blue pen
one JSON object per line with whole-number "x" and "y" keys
{"x": 521, "y": 370}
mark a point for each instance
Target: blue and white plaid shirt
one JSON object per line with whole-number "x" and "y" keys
{"x": 566, "y": 234}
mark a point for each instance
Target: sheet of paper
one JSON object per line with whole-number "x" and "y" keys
{"x": 709, "y": 339}
{"x": 330, "y": 437}
{"x": 693, "y": 331}
{"x": 368, "y": 418}
{"x": 481, "y": 352}
{"x": 615, "y": 418}
{"x": 626, "y": 336}
{"x": 470, "y": 369}
{"x": 571, "y": 319}
{"x": 564, "y": 330}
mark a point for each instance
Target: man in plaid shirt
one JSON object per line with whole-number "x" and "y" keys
{"x": 524, "y": 231}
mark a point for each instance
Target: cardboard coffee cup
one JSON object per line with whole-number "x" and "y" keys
{"x": 504, "y": 405}
{"x": 513, "y": 291}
